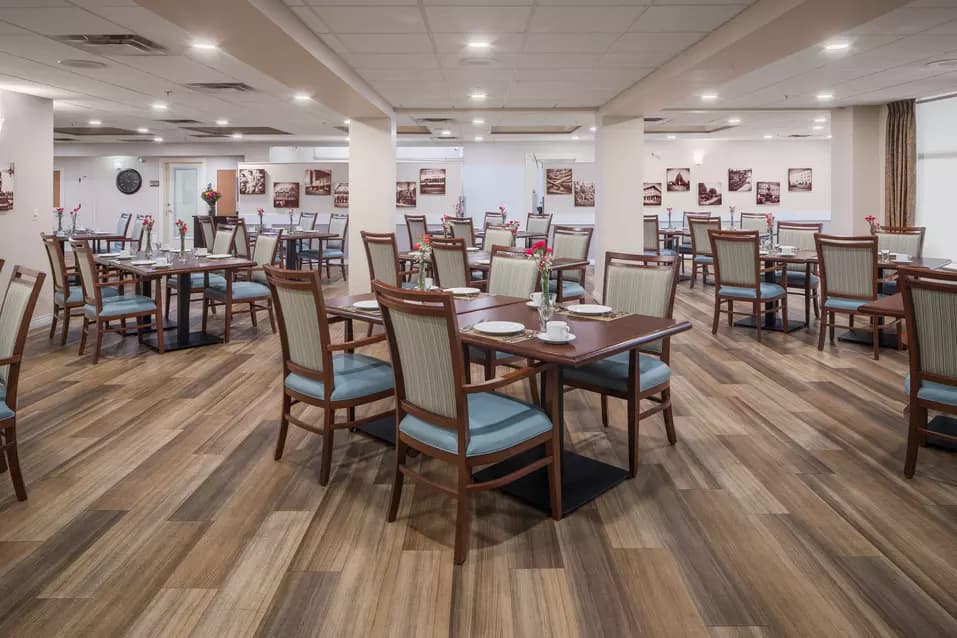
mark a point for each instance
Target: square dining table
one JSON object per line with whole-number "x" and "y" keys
{"x": 181, "y": 267}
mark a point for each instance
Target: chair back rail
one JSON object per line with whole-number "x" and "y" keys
{"x": 382, "y": 253}
{"x": 208, "y": 228}
{"x": 417, "y": 226}
{"x": 538, "y": 224}
{"x": 797, "y": 234}
{"x": 242, "y": 239}
{"x": 930, "y": 311}
{"x": 54, "y": 250}
{"x": 493, "y": 218}
{"x": 512, "y": 273}
{"x": 224, "y": 240}
{"x": 572, "y": 242}
{"x": 736, "y": 259}
{"x": 338, "y": 226}
{"x": 699, "y": 227}
{"x": 450, "y": 262}
{"x": 848, "y": 266}
{"x": 265, "y": 253}
{"x": 497, "y": 235}
{"x": 645, "y": 285}
{"x": 19, "y": 302}
{"x": 754, "y": 221}
{"x": 89, "y": 276}
{"x": 902, "y": 239}
{"x": 462, "y": 228}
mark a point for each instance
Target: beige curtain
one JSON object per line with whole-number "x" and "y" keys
{"x": 900, "y": 164}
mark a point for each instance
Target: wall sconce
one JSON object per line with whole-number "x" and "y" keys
{"x": 698, "y": 158}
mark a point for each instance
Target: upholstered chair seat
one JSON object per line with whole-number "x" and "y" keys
{"x": 570, "y": 289}
{"x": 121, "y": 306}
{"x": 668, "y": 252}
{"x": 936, "y": 392}
{"x": 355, "y": 376}
{"x": 612, "y": 373}
{"x": 5, "y": 410}
{"x": 703, "y": 259}
{"x": 197, "y": 281}
{"x": 799, "y": 278}
{"x": 840, "y": 303}
{"x": 768, "y": 291}
{"x": 243, "y": 290}
{"x": 76, "y": 294}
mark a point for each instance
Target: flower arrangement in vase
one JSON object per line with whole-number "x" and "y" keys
{"x": 512, "y": 226}
{"x": 460, "y": 206}
{"x": 58, "y": 212}
{"x": 148, "y": 223}
{"x": 211, "y": 196}
{"x": 182, "y": 228}
{"x": 872, "y": 222}
{"x": 542, "y": 255}
{"x": 447, "y": 225}
{"x": 73, "y": 215}
{"x": 260, "y": 212}
{"x": 769, "y": 220}
{"x": 422, "y": 251}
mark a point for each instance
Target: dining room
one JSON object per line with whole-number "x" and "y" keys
{"x": 618, "y": 320}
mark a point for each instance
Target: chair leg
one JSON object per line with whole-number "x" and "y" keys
{"x": 272, "y": 320}
{"x": 730, "y": 313}
{"x": 553, "y": 449}
{"x": 784, "y": 313}
{"x": 817, "y": 307}
{"x": 850, "y": 321}
{"x": 533, "y": 390}
{"x": 56, "y": 309}
{"x": 876, "y": 335}
{"x": 397, "y": 480}
{"x": 13, "y": 461}
{"x": 160, "y": 343}
{"x": 604, "y": 410}
{"x": 83, "y": 335}
{"x": 823, "y": 332}
{"x": 462, "y": 517}
{"x": 169, "y": 299}
{"x": 758, "y": 318}
{"x": 283, "y": 425}
{"x": 831, "y": 322}
{"x": 717, "y": 315}
{"x": 99, "y": 341}
{"x": 694, "y": 273}
{"x": 205, "y": 313}
{"x": 66, "y": 324}
{"x": 342, "y": 267}
{"x": 633, "y": 405}
{"x": 252, "y": 314}
{"x": 669, "y": 417}
{"x": 918, "y": 420}
{"x": 229, "y": 319}
{"x": 327, "y": 435}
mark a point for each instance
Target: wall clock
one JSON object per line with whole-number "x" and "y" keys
{"x": 129, "y": 181}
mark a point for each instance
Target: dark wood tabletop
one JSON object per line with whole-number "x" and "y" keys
{"x": 178, "y": 265}
{"x": 890, "y": 306}
{"x": 479, "y": 260}
{"x": 343, "y": 306}
{"x": 810, "y": 257}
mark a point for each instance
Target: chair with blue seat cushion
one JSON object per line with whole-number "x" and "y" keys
{"x": 316, "y": 371}
{"x": 572, "y": 242}
{"x": 849, "y": 279}
{"x": 652, "y": 239}
{"x": 739, "y": 277}
{"x": 908, "y": 240}
{"x": 701, "y": 256}
{"x": 645, "y": 285}
{"x": 16, "y": 311}
{"x": 100, "y": 311}
{"x": 331, "y": 251}
{"x": 226, "y": 291}
{"x": 930, "y": 311}
{"x": 442, "y": 416}
{"x": 450, "y": 264}
{"x": 122, "y": 228}
{"x": 222, "y": 241}
{"x": 805, "y": 281}
{"x": 417, "y": 226}
{"x": 539, "y": 225}
{"x": 382, "y": 253}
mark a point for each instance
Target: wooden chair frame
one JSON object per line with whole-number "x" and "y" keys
{"x": 384, "y": 238}
{"x": 917, "y": 407}
{"x": 657, "y": 240}
{"x": 757, "y": 304}
{"x": 66, "y": 309}
{"x": 439, "y": 304}
{"x": 202, "y": 290}
{"x": 683, "y": 246}
{"x": 560, "y": 274}
{"x": 408, "y": 227}
{"x": 829, "y": 315}
{"x": 309, "y": 280}
{"x": 810, "y": 293}
{"x": 545, "y": 216}
{"x": 742, "y": 216}
{"x": 700, "y": 250}
{"x": 9, "y": 452}
{"x": 455, "y": 243}
{"x": 328, "y": 261}
{"x": 907, "y": 230}
{"x": 463, "y": 222}
{"x": 634, "y": 396}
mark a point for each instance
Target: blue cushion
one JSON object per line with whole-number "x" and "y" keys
{"x": 496, "y": 422}
{"x": 198, "y": 281}
{"x": 612, "y": 373}
{"x": 356, "y": 375}
{"x": 889, "y": 287}
{"x": 768, "y": 291}
{"x": 931, "y": 391}
{"x": 663, "y": 252}
{"x": 5, "y": 411}
{"x": 796, "y": 278}
{"x": 125, "y": 305}
{"x": 76, "y": 294}
{"x": 703, "y": 259}
{"x": 409, "y": 284}
{"x": 477, "y": 354}
{"x": 243, "y": 289}
{"x": 839, "y": 303}
{"x": 328, "y": 253}
{"x": 570, "y": 289}
{"x": 684, "y": 249}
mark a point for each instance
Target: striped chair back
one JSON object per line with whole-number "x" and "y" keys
{"x": 538, "y": 224}
{"x": 906, "y": 239}
{"x": 848, "y": 266}
{"x": 736, "y": 260}
{"x": 383, "y": 256}
{"x": 426, "y": 351}
{"x": 450, "y": 262}
{"x": 754, "y": 221}
{"x": 83, "y": 257}
{"x": 224, "y": 241}
{"x": 242, "y": 239}
{"x": 265, "y": 254}
{"x": 699, "y": 227}
{"x": 497, "y": 235}
{"x": 651, "y": 234}
{"x": 492, "y": 218}
{"x": 308, "y": 220}
{"x": 512, "y": 275}
{"x": 137, "y": 234}
{"x": 798, "y": 234}
{"x": 461, "y": 228}
{"x": 642, "y": 284}
{"x": 54, "y": 250}
{"x": 123, "y": 224}
{"x": 417, "y": 227}
{"x": 687, "y": 216}
{"x": 572, "y": 242}
{"x": 930, "y": 309}
{"x": 208, "y": 228}
{"x": 16, "y": 312}
{"x": 303, "y": 329}
{"x": 338, "y": 226}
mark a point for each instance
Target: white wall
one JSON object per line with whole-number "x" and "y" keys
{"x": 26, "y": 140}
{"x": 936, "y": 170}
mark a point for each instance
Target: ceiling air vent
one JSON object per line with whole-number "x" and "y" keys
{"x": 536, "y": 129}
{"x": 113, "y": 44}
{"x": 799, "y": 135}
{"x": 425, "y": 121}
{"x": 63, "y": 139}
{"x": 79, "y": 63}
{"x": 219, "y": 131}
{"x": 92, "y": 130}
{"x": 181, "y": 121}
{"x": 652, "y": 120}
{"x": 412, "y": 130}
{"x": 220, "y": 87}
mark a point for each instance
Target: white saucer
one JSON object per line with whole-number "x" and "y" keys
{"x": 902, "y": 261}
{"x": 499, "y": 327}
{"x": 463, "y": 292}
{"x": 161, "y": 265}
{"x": 532, "y": 304}
{"x": 472, "y": 249}
{"x": 370, "y": 304}
{"x": 142, "y": 262}
{"x": 589, "y": 309}
{"x": 543, "y": 336}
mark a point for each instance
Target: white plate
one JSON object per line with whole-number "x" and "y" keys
{"x": 461, "y": 292}
{"x": 370, "y": 304}
{"x": 108, "y": 255}
{"x": 543, "y": 336}
{"x": 102, "y": 232}
{"x": 588, "y": 309}
{"x": 220, "y": 256}
{"x": 472, "y": 249}
{"x": 122, "y": 257}
{"x": 902, "y": 261}
{"x": 499, "y": 327}
{"x": 142, "y": 262}
{"x": 483, "y": 262}
{"x": 161, "y": 265}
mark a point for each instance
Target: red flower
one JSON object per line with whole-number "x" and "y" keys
{"x": 529, "y": 252}
{"x": 426, "y": 238}
{"x": 417, "y": 246}
{"x": 539, "y": 244}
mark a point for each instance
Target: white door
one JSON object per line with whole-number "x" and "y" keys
{"x": 184, "y": 185}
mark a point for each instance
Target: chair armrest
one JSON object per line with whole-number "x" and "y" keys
{"x": 105, "y": 283}
{"x": 356, "y": 343}
{"x": 10, "y": 360}
{"x": 511, "y": 377}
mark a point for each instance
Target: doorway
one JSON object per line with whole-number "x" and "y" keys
{"x": 184, "y": 182}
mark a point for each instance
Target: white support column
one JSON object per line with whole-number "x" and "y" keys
{"x": 620, "y": 193}
{"x": 371, "y": 191}
{"x": 857, "y": 168}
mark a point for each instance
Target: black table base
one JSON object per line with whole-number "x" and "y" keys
{"x": 172, "y": 340}
{"x": 583, "y": 480}
{"x": 944, "y": 425}
{"x": 381, "y": 429}
{"x": 777, "y": 325}
{"x": 864, "y": 336}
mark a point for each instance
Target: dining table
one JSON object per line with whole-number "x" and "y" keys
{"x": 583, "y": 478}
{"x": 91, "y": 236}
{"x": 182, "y": 267}
{"x": 481, "y": 261}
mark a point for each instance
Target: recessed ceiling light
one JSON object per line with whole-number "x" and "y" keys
{"x": 820, "y": 120}
{"x": 208, "y": 46}
{"x": 157, "y": 139}
{"x": 672, "y": 137}
{"x": 769, "y": 137}
{"x": 593, "y": 129}
{"x": 159, "y": 106}
{"x": 346, "y": 138}
{"x": 222, "y": 122}
{"x": 478, "y": 96}
{"x": 445, "y": 131}
{"x": 479, "y": 138}
{"x": 825, "y": 96}
{"x": 837, "y": 46}
{"x": 817, "y": 128}
{"x": 708, "y": 97}
{"x": 347, "y": 121}
{"x": 734, "y": 120}
{"x": 829, "y": 136}
{"x": 237, "y": 136}
{"x": 95, "y": 122}
{"x": 302, "y": 97}
{"x": 478, "y": 121}
{"x": 142, "y": 130}
{"x": 80, "y": 63}
{"x": 575, "y": 138}
{"x": 480, "y": 44}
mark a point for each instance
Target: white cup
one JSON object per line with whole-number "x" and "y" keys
{"x": 900, "y": 257}
{"x": 201, "y": 252}
{"x": 557, "y": 330}
{"x": 536, "y": 298}
{"x": 788, "y": 250}
{"x": 124, "y": 253}
{"x": 161, "y": 261}
{"x": 428, "y": 283}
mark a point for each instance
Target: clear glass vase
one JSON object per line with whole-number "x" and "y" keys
{"x": 149, "y": 244}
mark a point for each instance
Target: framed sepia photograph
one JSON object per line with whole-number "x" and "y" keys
{"x": 285, "y": 195}
{"x": 678, "y": 180}
{"x": 405, "y": 194}
{"x": 739, "y": 180}
{"x": 6, "y": 190}
{"x": 768, "y": 193}
{"x": 709, "y": 193}
{"x": 584, "y": 193}
{"x": 799, "y": 179}
{"x": 252, "y": 181}
{"x": 341, "y": 195}
{"x": 318, "y": 182}
{"x": 652, "y": 194}
{"x": 432, "y": 181}
{"x": 558, "y": 181}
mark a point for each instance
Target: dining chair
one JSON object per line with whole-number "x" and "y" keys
{"x": 417, "y": 226}
{"x": 848, "y": 281}
{"x": 331, "y": 250}
{"x": 308, "y": 248}
{"x": 100, "y": 311}
{"x": 572, "y": 242}
{"x": 208, "y": 229}
{"x": 739, "y": 277}
{"x": 497, "y": 235}
{"x": 701, "y": 255}
{"x": 440, "y": 415}
{"x": 684, "y": 245}
{"x": 307, "y": 221}
{"x": 754, "y": 221}
{"x": 135, "y": 239}
{"x": 539, "y": 224}
{"x": 122, "y": 228}
{"x": 645, "y": 285}
{"x": 67, "y": 296}
{"x": 242, "y": 239}
{"x": 382, "y": 253}
{"x": 804, "y": 282}
{"x": 652, "y": 240}
{"x": 316, "y": 371}
{"x": 16, "y": 312}
{"x": 222, "y": 242}
{"x": 930, "y": 312}
{"x": 227, "y": 291}
{"x": 450, "y": 264}
{"x": 493, "y": 219}
{"x": 899, "y": 239}
{"x": 461, "y": 228}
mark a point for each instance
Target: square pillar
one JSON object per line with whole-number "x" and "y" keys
{"x": 857, "y": 169}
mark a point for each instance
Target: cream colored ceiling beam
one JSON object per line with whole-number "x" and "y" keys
{"x": 763, "y": 33}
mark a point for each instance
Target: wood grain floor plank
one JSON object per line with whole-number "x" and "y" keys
{"x": 173, "y": 613}
{"x": 543, "y": 604}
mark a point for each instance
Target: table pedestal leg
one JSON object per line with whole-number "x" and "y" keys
{"x": 292, "y": 254}
{"x": 184, "y": 338}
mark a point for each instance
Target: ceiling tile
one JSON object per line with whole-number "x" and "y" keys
{"x": 674, "y": 18}
{"x": 907, "y": 20}
{"x": 477, "y": 20}
{"x": 568, "y": 42}
{"x": 310, "y": 19}
{"x": 669, "y": 43}
{"x": 419, "y": 61}
{"x": 458, "y": 43}
{"x": 385, "y": 42}
{"x": 386, "y": 19}
{"x": 62, "y": 21}
{"x": 586, "y": 19}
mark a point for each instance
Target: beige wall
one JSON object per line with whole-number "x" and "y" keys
{"x": 857, "y": 168}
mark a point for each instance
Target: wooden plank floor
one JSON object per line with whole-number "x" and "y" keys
{"x": 156, "y": 508}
